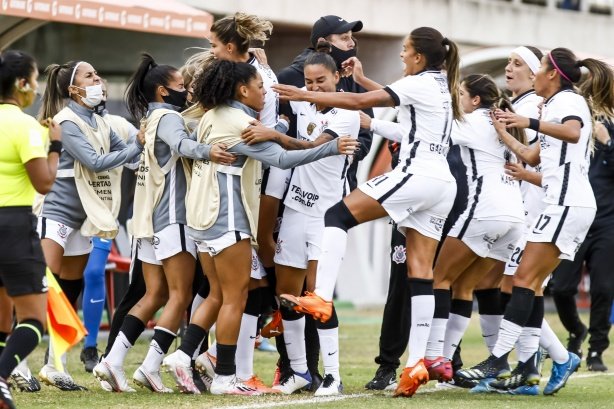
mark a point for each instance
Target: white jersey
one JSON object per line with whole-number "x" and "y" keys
{"x": 565, "y": 165}
{"x": 425, "y": 115}
{"x": 317, "y": 186}
{"x": 493, "y": 195}
{"x": 268, "y": 116}
{"x": 527, "y": 105}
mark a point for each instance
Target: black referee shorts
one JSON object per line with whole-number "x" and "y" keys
{"x": 22, "y": 264}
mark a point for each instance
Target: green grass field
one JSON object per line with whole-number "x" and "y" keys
{"x": 359, "y": 334}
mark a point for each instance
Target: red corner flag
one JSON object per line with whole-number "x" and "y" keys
{"x": 64, "y": 326}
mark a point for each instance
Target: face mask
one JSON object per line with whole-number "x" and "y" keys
{"x": 93, "y": 95}
{"x": 340, "y": 56}
{"x": 101, "y": 107}
{"x": 26, "y": 90}
{"x": 176, "y": 98}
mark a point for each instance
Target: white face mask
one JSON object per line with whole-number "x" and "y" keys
{"x": 93, "y": 95}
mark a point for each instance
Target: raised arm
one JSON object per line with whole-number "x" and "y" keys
{"x": 257, "y": 133}
{"x": 347, "y": 100}
{"x": 567, "y": 131}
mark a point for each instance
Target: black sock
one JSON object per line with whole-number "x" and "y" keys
{"x": 520, "y": 306}
{"x": 463, "y": 308}
{"x": 226, "y": 359}
{"x": 312, "y": 344}
{"x": 72, "y": 288}
{"x": 191, "y": 339}
{"x": 26, "y": 336}
{"x": 164, "y": 338}
{"x": 537, "y": 313}
{"x": 132, "y": 327}
{"x": 442, "y": 303}
{"x": 420, "y": 286}
{"x": 505, "y": 300}
{"x": 489, "y": 301}
{"x": 3, "y": 336}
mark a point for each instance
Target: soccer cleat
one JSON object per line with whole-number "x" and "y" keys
{"x": 61, "y": 380}
{"x": 22, "y": 378}
{"x": 293, "y": 382}
{"x": 89, "y": 357}
{"x": 385, "y": 379}
{"x": 526, "y": 390}
{"x": 230, "y": 385}
{"x": 491, "y": 367}
{"x": 594, "y": 362}
{"x": 456, "y": 383}
{"x": 316, "y": 381}
{"x": 330, "y": 386}
{"x": 106, "y": 386}
{"x": 256, "y": 383}
{"x": 275, "y": 327}
{"x": 265, "y": 345}
{"x": 575, "y": 340}
{"x": 178, "y": 365}
{"x": 6, "y": 399}
{"x": 114, "y": 376}
{"x": 276, "y": 375}
{"x": 205, "y": 364}
{"x": 411, "y": 379}
{"x": 525, "y": 373}
{"x": 150, "y": 380}
{"x": 560, "y": 373}
{"x": 440, "y": 369}
{"x": 483, "y": 386}
{"x": 310, "y": 303}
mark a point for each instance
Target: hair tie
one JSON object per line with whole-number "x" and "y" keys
{"x": 557, "y": 69}
{"x": 579, "y": 64}
{"x": 445, "y": 41}
{"x": 74, "y": 71}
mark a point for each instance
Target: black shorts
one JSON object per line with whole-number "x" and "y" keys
{"x": 22, "y": 264}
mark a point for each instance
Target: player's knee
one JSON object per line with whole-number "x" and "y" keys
{"x": 339, "y": 216}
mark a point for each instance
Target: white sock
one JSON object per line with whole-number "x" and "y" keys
{"x": 154, "y": 357}
{"x": 422, "y": 309}
{"x": 196, "y": 302}
{"x": 294, "y": 336}
{"x": 457, "y": 325}
{"x": 212, "y": 349}
{"x": 434, "y": 347}
{"x": 329, "y": 345}
{"x": 118, "y": 351}
{"x": 490, "y": 329}
{"x": 551, "y": 343}
{"x": 528, "y": 343}
{"x": 246, "y": 342}
{"x": 508, "y": 335}
{"x": 334, "y": 241}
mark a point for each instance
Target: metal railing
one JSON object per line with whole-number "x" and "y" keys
{"x": 590, "y": 6}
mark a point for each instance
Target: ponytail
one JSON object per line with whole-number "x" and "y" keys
{"x": 58, "y": 81}
{"x": 141, "y": 89}
{"x": 218, "y": 82}
{"x": 598, "y": 89}
{"x": 453, "y": 72}
{"x": 322, "y": 56}
{"x": 519, "y": 134}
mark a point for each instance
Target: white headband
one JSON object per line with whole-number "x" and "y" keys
{"x": 74, "y": 71}
{"x": 529, "y": 58}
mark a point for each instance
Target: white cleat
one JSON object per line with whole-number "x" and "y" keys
{"x": 330, "y": 386}
{"x": 61, "y": 380}
{"x": 205, "y": 364}
{"x": 150, "y": 380}
{"x": 230, "y": 385}
{"x": 178, "y": 365}
{"x": 22, "y": 378}
{"x": 293, "y": 383}
{"x": 106, "y": 386}
{"x": 114, "y": 376}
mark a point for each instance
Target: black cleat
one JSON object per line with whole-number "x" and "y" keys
{"x": 316, "y": 381}
{"x": 525, "y": 373}
{"x": 89, "y": 357}
{"x": 385, "y": 379}
{"x": 457, "y": 383}
{"x": 491, "y": 367}
{"x": 575, "y": 340}
{"x": 594, "y": 362}
{"x": 6, "y": 399}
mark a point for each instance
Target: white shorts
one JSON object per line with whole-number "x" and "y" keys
{"x": 71, "y": 240}
{"x": 171, "y": 240}
{"x": 418, "y": 202}
{"x": 215, "y": 246}
{"x": 299, "y": 240}
{"x": 564, "y": 226}
{"x": 495, "y": 239}
{"x": 512, "y": 264}
{"x": 258, "y": 272}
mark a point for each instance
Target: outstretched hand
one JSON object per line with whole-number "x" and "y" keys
{"x": 289, "y": 92}
{"x": 346, "y": 145}
{"x": 352, "y": 66}
{"x": 511, "y": 119}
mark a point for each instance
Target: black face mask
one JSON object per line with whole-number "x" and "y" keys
{"x": 99, "y": 109}
{"x": 340, "y": 56}
{"x": 176, "y": 98}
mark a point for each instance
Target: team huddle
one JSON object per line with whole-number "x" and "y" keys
{"x": 246, "y": 189}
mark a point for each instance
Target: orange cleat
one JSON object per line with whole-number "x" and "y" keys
{"x": 311, "y": 304}
{"x": 273, "y": 328}
{"x": 277, "y": 376}
{"x": 440, "y": 369}
{"x": 256, "y": 383}
{"x": 411, "y": 379}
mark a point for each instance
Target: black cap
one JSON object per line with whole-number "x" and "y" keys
{"x": 328, "y": 25}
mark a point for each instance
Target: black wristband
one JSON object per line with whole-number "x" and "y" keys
{"x": 534, "y": 124}
{"x": 55, "y": 146}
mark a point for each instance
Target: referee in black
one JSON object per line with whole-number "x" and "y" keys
{"x": 596, "y": 252}
{"x": 26, "y": 167}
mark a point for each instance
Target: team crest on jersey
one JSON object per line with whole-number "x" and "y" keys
{"x": 278, "y": 246}
{"x": 437, "y": 222}
{"x": 255, "y": 263}
{"x": 399, "y": 255}
{"x": 62, "y": 231}
{"x": 310, "y": 128}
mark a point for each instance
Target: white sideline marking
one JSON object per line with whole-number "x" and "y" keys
{"x": 364, "y": 395}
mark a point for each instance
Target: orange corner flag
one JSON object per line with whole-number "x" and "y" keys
{"x": 64, "y": 326}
